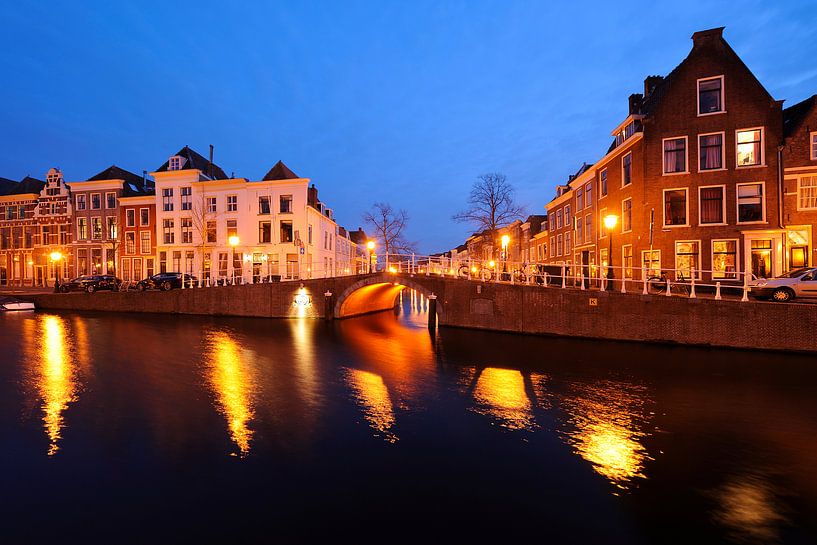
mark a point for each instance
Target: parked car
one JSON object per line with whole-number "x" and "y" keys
{"x": 167, "y": 281}
{"x": 797, "y": 283}
{"x": 91, "y": 283}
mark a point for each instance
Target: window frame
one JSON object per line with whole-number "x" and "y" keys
{"x": 664, "y": 207}
{"x": 107, "y": 200}
{"x": 602, "y": 227}
{"x": 737, "y": 203}
{"x": 627, "y": 271}
{"x": 723, "y": 152}
{"x": 232, "y": 206}
{"x": 799, "y": 187}
{"x": 712, "y": 259}
{"x": 147, "y": 223}
{"x": 603, "y": 186}
{"x": 675, "y": 252}
{"x": 631, "y": 215}
{"x": 659, "y": 260}
{"x": 142, "y": 240}
{"x": 630, "y": 155}
{"x": 99, "y": 197}
{"x": 130, "y": 217}
{"x": 762, "y": 162}
{"x": 698, "y": 95}
{"x": 723, "y": 206}
{"x": 664, "y": 172}
{"x": 812, "y": 141}
{"x": 81, "y": 197}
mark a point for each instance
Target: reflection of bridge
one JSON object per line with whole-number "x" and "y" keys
{"x": 501, "y": 306}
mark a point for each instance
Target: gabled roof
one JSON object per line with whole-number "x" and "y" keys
{"x": 280, "y": 172}
{"x": 24, "y": 186}
{"x": 113, "y": 172}
{"x": 358, "y": 237}
{"x": 194, "y": 160}
{"x": 6, "y": 185}
{"x": 793, "y": 116}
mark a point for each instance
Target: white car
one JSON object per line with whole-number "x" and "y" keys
{"x": 797, "y": 283}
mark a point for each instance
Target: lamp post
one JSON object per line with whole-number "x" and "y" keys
{"x": 505, "y": 241}
{"x": 610, "y": 224}
{"x": 370, "y": 246}
{"x": 56, "y": 258}
{"x": 233, "y": 240}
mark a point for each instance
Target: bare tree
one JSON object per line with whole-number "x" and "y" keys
{"x": 201, "y": 218}
{"x": 490, "y": 204}
{"x": 388, "y": 226}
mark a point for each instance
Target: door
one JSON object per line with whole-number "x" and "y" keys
{"x": 39, "y": 275}
{"x": 585, "y": 268}
{"x": 762, "y": 258}
{"x": 807, "y": 285}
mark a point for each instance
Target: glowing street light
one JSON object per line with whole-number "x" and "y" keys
{"x": 610, "y": 222}
{"x": 370, "y": 246}
{"x": 56, "y": 257}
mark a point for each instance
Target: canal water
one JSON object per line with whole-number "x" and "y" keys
{"x": 169, "y": 429}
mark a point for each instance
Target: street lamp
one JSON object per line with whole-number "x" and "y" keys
{"x": 370, "y": 246}
{"x": 505, "y": 241}
{"x": 56, "y": 257}
{"x": 233, "y": 240}
{"x": 610, "y": 222}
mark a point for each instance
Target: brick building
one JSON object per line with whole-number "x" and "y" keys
{"x": 18, "y": 202}
{"x": 137, "y": 226}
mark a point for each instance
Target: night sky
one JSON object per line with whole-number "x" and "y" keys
{"x": 405, "y": 102}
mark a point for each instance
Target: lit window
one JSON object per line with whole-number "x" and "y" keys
{"x": 675, "y": 155}
{"x": 627, "y": 260}
{"x": 82, "y": 228}
{"x": 710, "y": 95}
{"x": 751, "y": 205}
{"x": 724, "y": 259}
{"x": 675, "y": 207}
{"x": 807, "y": 193}
{"x": 687, "y": 259}
{"x": 749, "y": 147}
{"x": 96, "y": 228}
{"x": 651, "y": 261}
{"x": 712, "y": 202}
{"x": 144, "y": 242}
{"x": 130, "y": 242}
{"x": 710, "y": 148}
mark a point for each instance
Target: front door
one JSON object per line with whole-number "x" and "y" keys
{"x": 39, "y": 275}
{"x": 762, "y": 258}
{"x": 807, "y": 286}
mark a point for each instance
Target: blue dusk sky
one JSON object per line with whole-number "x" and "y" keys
{"x": 404, "y": 102}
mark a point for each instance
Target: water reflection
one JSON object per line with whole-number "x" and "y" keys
{"x": 53, "y": 373}
{"x": 607, "y": 424}
{"x": 372, "y": 396}
{"x": 232, "y": 380}
{"x": 748, "y": 508}
{"x": 500, "y": 394}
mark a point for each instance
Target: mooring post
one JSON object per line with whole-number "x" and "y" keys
{"x": 329, "y": 309}
{"x": 432, "y": 311}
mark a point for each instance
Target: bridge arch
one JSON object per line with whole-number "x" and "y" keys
{"x": 378, "y": 292}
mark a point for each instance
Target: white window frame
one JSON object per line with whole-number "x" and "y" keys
{"x": 698, "y": 95}
{"x": 141, "y": 239}
{"x": 799, "y": 188}
{"x": 233, "y": 204}
{"x": 107, "y": 194}
{"x": 623, "y": 268}
{"x": 712, "y": 258}
{"x": 664, "y": 207}
{"x": 654, "y": 251}
{"x": 602, "y": 231}
{"x": 737, "y": 204}
{"x": 128, "y": 222}
{"x": 723, "y": 207}
{"x": 762, "y": 162}
{"x": 100, "y": 201}
{"x": 630, "y": 155}
{"x": 140, "y": 217}
{"x": 211, "y": 204}
{"x": 175, "y": 163}
{"x": 603, "y": 173}
{"x": 723, "y": 152}
{"x": 552, "y": 246}
{"x": 812, "y": 141}
{"x": 631, "y": 215}
{"x": 559, "y": 245}
{"x": 84, "y": 200}
{"x": 664, "y": 156}
{"x": 675, "y": 253}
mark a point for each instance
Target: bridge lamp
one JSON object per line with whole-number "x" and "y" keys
{"x": 610, "y": 222}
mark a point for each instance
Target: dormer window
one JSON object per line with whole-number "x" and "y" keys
{"x": 710, "y": 96}
{"x": 175, "y": 163}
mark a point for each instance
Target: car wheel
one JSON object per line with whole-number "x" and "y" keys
{"x": 166, "y": 286}
{"x": 90, "y": 289}
{"x": 140, "y": 287}
{"x": 64, "y": 289}
{"x": 781, "y": 295}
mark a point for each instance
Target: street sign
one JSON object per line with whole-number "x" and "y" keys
{"x": 303, "y": 251}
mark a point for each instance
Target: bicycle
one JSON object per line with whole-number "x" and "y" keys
{"x": 658, "y": 284}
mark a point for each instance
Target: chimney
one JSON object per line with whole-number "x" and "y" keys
{"x": 634, "y": 102}
{"x": 650, "y": 83}
{"x": 210, "y": 166}
{"x": 312, "y": 196}
{"x": 703, "y": 36}
{"x": 144, "y": 178}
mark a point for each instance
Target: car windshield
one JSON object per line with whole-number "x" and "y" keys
{"x": 795, "y": 273}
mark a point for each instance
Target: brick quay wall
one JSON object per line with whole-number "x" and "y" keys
{"x": 499, "y": 307}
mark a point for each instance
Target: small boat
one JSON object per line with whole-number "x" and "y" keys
{"x": 12, "y": 303}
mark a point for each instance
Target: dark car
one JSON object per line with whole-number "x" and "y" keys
{"x": 91, "y": 283}
{"x": 167, "y": 281}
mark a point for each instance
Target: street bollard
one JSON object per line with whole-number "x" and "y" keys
{"x": 623, "y": 285}
{"x": 546, "y": 279}
{"x": 603, "y": 282}
{"x": 644, "y": 279}
{"x": 669, "y": 287}
{"x": 717, "y": 291}
{"x": 692, "y": 290}
{"x": 564, "y": 284}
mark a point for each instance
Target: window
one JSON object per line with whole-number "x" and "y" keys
{"x": 264, "y": 231}
{"x": 588, "y": 195}
{"x": 651, "y": 261}
{"x": 286, "y": 204}
{"x": 626, "y": 215}
{"x": 588, "y": 228}
{"x": 130, "y": 217}
{"x": 232, "y": 203}
{"x": 187, "y": 198}
{"x": 626, "y": 169}
{"x": 177, "y": 261}
{"x": 187, "y": 230}
{"x": 710, "y": 96}
{"x": 627, "y": 260}
{"x": 144, "y": 242}
{"x": 675, "y": 207}
{"x": 813, "y": 141}
{"x": 675, "y": 155}
{"x": 96, "y": 228}
{"x": 162, "y": 261}
{"x": 211, "y": 205}
{"x": 232, "y": 228}
{"x": 210, "y": 227}
{"x": 110, "y": 200}
{"x": 603, "y": 183}
{"x": 751, "y": 204}
{"x": 167, "y": 199}
{"x": 559, "y": 219}
{"x": 602, "y": 228}
{"x": 558, "y": 244}
{"x": 579, "y": 200}
{"x": 710, "y": 151}
{"x": 168, "y": 234}
{"x": 724, "y": 259}
{"x": 21, "y": 212}
{"x": 749, "y": 147}
{"x": 144, "y": 217}
{"x": 687, "y": 254}
{"x": 567, "y": 215}
{"x": 81, "y": 202}
{"x": 130, "y": 242}
{"x": 567, "y": 243}
{"x": 11, "y": 212}
{"x": 579, "y": 232}
{"x": 552, "y": 246}
{"x": 82, "y": 229}
{"x": 112, "y": 231}
{"x": 263, "y": 205}
{"x": 222, "y": 264}
{"x": 175, "y": 163}
{"x": 96, "y": 201}
{"x": 807, "y": 193}
{"x": 712, "y": 205}
{"x": 309, "y": 234}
